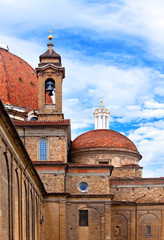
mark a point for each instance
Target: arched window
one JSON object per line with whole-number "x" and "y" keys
{"x": 49, "y": 91}
{"x": 43, "y": 149}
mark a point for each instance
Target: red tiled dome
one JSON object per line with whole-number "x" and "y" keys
{"x": 18, "y": 81}
{"x": 102, "y": 138}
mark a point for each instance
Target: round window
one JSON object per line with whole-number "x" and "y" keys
{"x": 83, "y": 187}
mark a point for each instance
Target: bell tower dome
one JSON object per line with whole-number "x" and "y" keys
{"x": 50, "y": 78}
{"x": 101, "y": 117}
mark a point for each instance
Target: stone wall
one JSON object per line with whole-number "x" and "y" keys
{"x": 97, "y": 228}
{"x": 96, "y": 184}
{"x": 96, "y": 177}
{"x": 54, "y": 222}
{"x": 54, "y": 183}
{"x": 145, "y": 190}
{"x": 57, "y": 141}
{"x": 127, "y": 171}
{"x": 111, "y": 156}
{"x": 20, "y": 187}
{"x": 137, "y": 221}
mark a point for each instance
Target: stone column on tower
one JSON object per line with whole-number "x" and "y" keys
{"x": 101, "y": 117}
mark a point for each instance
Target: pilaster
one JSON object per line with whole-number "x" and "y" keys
{"x": 62, "y": 220}
{"x": 107, "y": 221}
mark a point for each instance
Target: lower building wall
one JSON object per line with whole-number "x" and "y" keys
{"x": 20, "y": 199}
{"x": 97, "y": 228}
{"x": 138, "y": 222}
{"x": 119, "y": 221}
{"x": 54, "y": 219}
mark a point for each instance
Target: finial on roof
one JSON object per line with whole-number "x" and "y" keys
{"x": 101, "y": 103}
{"x": 50, "y": 37}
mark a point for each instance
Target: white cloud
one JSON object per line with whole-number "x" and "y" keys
{"x": 112, "y": 83}
{"x": 144, "y": 19}
{"x": 152, "y": 104}
{"x": 149, "y": 139}
{"x": 154, "y": 173}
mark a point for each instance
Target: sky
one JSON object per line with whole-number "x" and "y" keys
{"x": 111, "y": 49}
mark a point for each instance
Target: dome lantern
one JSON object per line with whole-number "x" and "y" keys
{"x": 101, "y": 117}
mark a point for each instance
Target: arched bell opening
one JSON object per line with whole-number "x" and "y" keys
{"x": 50, "y": 91}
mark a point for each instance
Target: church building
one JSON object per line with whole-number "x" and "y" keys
{"x": 53, "y": 188}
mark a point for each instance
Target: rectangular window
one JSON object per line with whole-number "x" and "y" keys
{"x": 43, "y": 149}
{"x": 106, "y": 119}
{"x": 102, "y": 125}
{"x": 97, "y": 122}
{"x": 148, "y": 230}
{"x": 83, "y": 218}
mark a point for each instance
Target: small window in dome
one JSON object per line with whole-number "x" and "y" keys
{"x": 11, "y": 59}
{"x": 104, "y": 162}
{"x": 20, "y": 62}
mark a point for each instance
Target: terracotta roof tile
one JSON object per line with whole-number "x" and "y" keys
{"x": 18, "y": 81}
{"x": 61, "y": 122}
{"x": 102, "y": 138}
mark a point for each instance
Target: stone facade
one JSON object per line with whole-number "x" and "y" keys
{"x": 56, "y": 133}
{"x": 21, "y": 190}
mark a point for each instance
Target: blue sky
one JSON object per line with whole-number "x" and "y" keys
{"x": 110, "y": 49}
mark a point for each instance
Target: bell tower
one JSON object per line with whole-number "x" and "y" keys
{"x": 50, "y": 78}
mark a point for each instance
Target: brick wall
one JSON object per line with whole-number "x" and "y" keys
{"x": 57, "y": 142}
{"x": 53, "y": 182}
{"x": 132, "y": 171}
{"x": 98, "y": 227}
{"x": 19, "y": 207}
{"x": 97, "y": 184}
{"x": 95, "y": 156}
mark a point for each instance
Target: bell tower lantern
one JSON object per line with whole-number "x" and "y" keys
{"x": 50, "y": 78}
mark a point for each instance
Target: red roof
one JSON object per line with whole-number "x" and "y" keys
{"x": 102, "y": 138}
{"x": 18, "y": 81}
{"x": 61, "y": 122}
